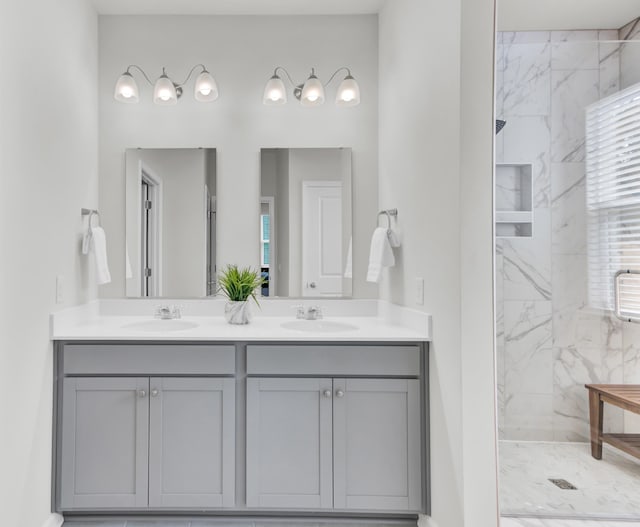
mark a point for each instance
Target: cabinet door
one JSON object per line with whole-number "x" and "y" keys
{"x": 104, "y": 443}
{"x": 289, "y": 435}
{"x": 377, "y": 462}
{"x": 192, "y": 442}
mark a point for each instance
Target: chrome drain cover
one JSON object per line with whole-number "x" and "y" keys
{"x": 563, "y": 484}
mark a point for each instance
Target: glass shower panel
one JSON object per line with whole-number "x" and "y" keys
{"x": 549, "y": 342}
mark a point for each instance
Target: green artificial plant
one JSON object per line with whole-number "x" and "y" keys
{"x": 239, "y": 284}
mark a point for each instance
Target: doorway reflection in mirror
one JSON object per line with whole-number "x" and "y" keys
{"x": 171, "y": 222}
{"x": 305, "y": 222}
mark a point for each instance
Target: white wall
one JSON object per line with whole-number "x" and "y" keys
{"x": 184, "y": 227}
{"x": 420, "y": 173}
{"x": 48, "y": 172}
{"x": 212, "y": 167}
{"x": 241, "y": 52}
{"x": 268, "y": 172}
{"x": 479, "y": 427}
{"x": 282, "y": 222}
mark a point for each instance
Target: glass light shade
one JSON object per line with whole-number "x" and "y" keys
{"x": 164, "y": 92}
{"x": 206, "y": 89}
{"x": 348, "y": 92}
{"x": 126, "y": 89}
{"x": 275, "y": 92}
{"x": 312, "y": 92}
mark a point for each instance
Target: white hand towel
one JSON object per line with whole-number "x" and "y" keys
{"x": 348, "y": 268}
{"x": 99, "y": 245}
{"x": 380, "y": 255}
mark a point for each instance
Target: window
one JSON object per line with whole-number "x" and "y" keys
{"x": 613, "y": 200}
{"x": 265, "y": 240}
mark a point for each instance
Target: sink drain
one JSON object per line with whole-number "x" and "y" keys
{"x": 563, "y": 484}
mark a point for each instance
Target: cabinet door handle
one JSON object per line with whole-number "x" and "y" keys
{"x": 339, "y": 393}
{"x": 142, "y": 393}
{"x": 327, "y": 393}
{"x": 154, "y": 392}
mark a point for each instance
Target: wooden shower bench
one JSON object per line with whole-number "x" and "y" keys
{"x": 625, "y": 396}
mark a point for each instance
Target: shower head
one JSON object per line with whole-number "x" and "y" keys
{"x": 499, "y": 125}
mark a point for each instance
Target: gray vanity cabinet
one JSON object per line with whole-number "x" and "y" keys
{"x": 142, "y": 442}
{"x": 289, "y": 436}
{"x": 334, "y": 430}
{"x": 105, "y": 442}
{"x": 191, "y": 442}
{"x": 349, "y": 444}
{"x": 376, "y": 444}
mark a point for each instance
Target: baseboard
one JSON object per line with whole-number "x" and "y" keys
{"x": 54, "y": 520}
{"x": 426, "y": 521}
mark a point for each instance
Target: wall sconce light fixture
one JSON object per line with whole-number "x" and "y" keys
{"x": 311, "y": 92}
{"x": 166, "y": 92}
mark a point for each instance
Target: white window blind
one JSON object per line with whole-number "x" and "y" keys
{"x": 613, "y": 200}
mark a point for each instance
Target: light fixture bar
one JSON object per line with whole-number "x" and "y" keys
{"x": 166, "y": 92}
{"x": 311, "y": 92}
{"x": 333, "y": 76}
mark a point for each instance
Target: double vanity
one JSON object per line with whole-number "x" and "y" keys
{"x": 196, "y": 418}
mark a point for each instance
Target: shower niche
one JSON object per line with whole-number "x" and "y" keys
{"x": 514, "y": 200}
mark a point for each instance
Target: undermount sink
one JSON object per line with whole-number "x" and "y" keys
{"x": 160, "y": 325}
{"x": 318, "y": 326}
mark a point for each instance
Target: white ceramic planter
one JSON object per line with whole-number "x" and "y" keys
{"x": 237, "y": 312}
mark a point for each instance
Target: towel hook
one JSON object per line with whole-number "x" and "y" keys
{"x": 388, "y": 213}
{"x": 91, "y": 213}
{"x": 86, "y": 239}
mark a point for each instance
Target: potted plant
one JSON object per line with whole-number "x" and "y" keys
{"x": 238, "y": 285}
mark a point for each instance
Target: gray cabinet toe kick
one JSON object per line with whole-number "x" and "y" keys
{"x": 240, "y": 430}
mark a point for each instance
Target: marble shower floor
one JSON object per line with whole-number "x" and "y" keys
{"x": 608, "y": 489}
{"x": 535, "y": 522}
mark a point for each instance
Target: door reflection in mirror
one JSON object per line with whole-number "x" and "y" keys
{"x": 171, "y": 222}
{"x": 151, "y": 197}
{"x": 305, "y": 222}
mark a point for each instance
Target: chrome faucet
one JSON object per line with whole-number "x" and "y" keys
{"x": 308, "y": 313}
{"x": 314, "y": 312}
{"x": 168, "y": 312}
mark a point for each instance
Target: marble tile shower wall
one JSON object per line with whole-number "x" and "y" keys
{"x": 549, "y": 343}
{"x": 630, "y": 54}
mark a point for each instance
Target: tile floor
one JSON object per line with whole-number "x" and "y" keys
{"x": 504, "y": 522}
{"x": 226, "y": 522}
{"x": 606, "y": 489}
{"x": 531, "y": 522}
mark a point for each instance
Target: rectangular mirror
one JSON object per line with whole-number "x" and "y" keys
{"x": 170, "y": 222}
{"x": 305, "y": 222}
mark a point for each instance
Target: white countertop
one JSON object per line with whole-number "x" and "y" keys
{"x": 376, "y": 321}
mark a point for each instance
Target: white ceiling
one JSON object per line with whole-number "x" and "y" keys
{"x": 513, "y": 15}
{"x": 237, "y": 7}
{"x": 530, "y": 15}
